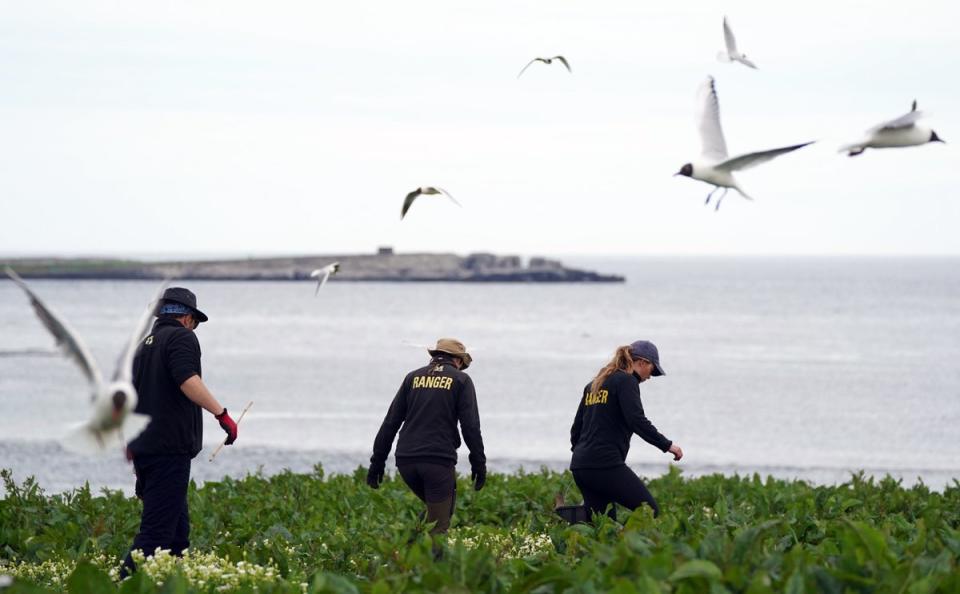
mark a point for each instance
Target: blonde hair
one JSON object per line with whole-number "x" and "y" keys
{"x": 621, "y": 360}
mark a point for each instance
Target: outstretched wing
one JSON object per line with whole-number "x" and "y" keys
{"x": 564, "y": 61}
{"x": 743, "y": 60}
{"x": 124, "y": 371}
{"x": 66, "y": 338}
{"x": 729, "y": 39}
{"x": 447, "y": 194}
{"x": 328, "y": 271}
{"x": 905, "y": 121}
{"x": 522, "y": 70}
{"x": 714, "y": 147}
{"x": 408, "y": 201}
{"x": 753, "y": 159}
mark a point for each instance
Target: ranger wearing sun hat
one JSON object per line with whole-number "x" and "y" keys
{"x": 166, "y": 374}
{"x": 429, "y": 404}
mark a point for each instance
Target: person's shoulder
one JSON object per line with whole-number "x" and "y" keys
{"x": 182, "y": 336}
{"x": 621, "y": 378}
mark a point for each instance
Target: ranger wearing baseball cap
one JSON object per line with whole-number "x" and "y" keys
{"x": 429, "y": 404}
{"x": 609, "y": 414}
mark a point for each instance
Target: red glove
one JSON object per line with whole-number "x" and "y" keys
{"x": 228, "y": 425}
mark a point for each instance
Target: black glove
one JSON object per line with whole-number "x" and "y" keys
{"x": 478, "y": 474}
{"x": 375, "y": 474}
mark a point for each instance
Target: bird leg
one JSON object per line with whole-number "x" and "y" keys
{"x": 707, "y": 201}
{"x": 720, "y": 199}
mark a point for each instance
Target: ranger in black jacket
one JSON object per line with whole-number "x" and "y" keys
{"x": 166, "y": 374}
{"x": 610, "y": 412}
{"x": 428, "y": 405}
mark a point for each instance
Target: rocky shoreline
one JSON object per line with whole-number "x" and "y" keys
{"x": 384, "y": 266}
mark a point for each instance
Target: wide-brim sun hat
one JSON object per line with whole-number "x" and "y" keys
{"x": 184, "y": 297}
{"x": 644, "y": 349}
{"x": 452, "y": 346}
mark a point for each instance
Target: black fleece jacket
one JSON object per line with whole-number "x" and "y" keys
{"x": 605, "y": 422}
{"x": 430, "y": 402}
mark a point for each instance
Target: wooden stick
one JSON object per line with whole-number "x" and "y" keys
{"x": 220, "y": 447}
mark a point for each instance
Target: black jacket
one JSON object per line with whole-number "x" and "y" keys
{"x": 167, "y": 357}
{"x": 428, "y": 404}
{"x": 605, "y": 422}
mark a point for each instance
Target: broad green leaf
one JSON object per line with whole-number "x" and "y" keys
{"x": 697, "y": 568}
{"x": 88, "y": 579}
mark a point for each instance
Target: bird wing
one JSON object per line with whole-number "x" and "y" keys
{"x": 448, "y": 195}
{"x": 711, "y": 134}
{"x": 564, "y": 61}
{"x": 522, "y": 70}
{"x": 729, "y": 39}
{"x": 124, "y": 370}
{"x": 905, "y": 121}
{"x": 328, "y": 271}
{"x": 753, "y": 159}
{"x": 67, "y": 339}
{"x": 408, "y": 201}
{"x": 743, "y": 60}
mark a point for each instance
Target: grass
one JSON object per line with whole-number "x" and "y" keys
{"x": 294, "y": 533}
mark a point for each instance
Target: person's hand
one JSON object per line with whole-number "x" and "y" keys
{"x": 676, "y": 451}
{"x": 478, "y": 474}
{"x": 375, "y": 475}
{"x": 228, "y": 425}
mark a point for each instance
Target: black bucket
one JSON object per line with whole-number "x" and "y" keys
{"x": 573, "y": 514}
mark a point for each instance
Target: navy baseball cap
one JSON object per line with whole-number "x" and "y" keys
{"x": 644, "y": 349}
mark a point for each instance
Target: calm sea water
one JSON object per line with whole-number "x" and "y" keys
{"x": 808, "y": 368}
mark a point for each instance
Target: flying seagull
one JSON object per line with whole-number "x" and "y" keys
{"x": 426, "y": 191}
{"x": 715, "y": 167}
{"x": 547, "y": 61}
{"x": 902, "y": 131}
{"x": 732, "y": 54}
{"x": 112, "y": 421}
{"x": 323, "y": 275}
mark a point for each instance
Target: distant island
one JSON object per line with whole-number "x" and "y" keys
{"x": 385, "y": 266}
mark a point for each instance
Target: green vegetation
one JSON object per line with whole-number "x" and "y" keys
{"x": 295, "y": 533}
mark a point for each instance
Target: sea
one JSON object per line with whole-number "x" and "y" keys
{"x": 810, "y": 368}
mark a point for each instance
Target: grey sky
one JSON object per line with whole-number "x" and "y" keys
{"x": 298, "y": 127}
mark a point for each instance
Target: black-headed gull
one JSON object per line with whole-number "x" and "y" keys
{"x": 715, "y": 167}
{"x": 323, "y": 275}
{"x": 112, "y": 421}
{"x": 900, "y": 132}
{"x": 732, "y": 54}
{"x": 561, "y": 59}
{"x": 427, "y": 191}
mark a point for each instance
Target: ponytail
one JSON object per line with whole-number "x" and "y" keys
{"x": 621, "y": 360}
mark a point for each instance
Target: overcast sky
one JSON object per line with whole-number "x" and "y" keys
{"x": 298, "y": 127}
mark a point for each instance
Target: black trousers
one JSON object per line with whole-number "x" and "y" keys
{"x": 162, "y": 483}
{"x": 619, "y": 484}
{"x": 435, "y": 485}
{"x": 432, "y": 483}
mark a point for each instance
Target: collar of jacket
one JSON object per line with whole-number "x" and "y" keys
{"x": 443, "y": 358}
{"x": 167, "y": 322}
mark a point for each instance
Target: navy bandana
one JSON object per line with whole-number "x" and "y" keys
{"x": 174, "y": 308}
